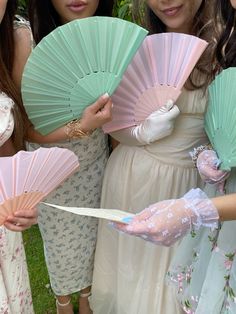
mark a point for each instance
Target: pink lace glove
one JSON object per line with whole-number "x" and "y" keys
{"x": 166, "y": 222}
{"x": 208, "y": 167}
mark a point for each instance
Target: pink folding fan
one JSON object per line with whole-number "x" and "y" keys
{"x": 28, "y": 177}
{"x": 156, "y": 74}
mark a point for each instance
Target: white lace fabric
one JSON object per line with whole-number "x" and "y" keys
{"x": 6, "y": 118}
{"x": 166, "y": 222}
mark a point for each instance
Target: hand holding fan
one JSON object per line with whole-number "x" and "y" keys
{"x": 220, "y": 118}
{"x": 156, "y": 74}
{"x": 28, "y": 177}
{"x": 74, "y": 65}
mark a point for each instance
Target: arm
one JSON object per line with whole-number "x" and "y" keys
{"x": 23, "y": 47}
{"x": 168, "y": 221}
{"x": 226, "y": 206}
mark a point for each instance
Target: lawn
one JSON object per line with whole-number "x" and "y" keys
{"x": 43, "y": 299}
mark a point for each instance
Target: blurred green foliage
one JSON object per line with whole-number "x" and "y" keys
{"x": 123, "y": 9}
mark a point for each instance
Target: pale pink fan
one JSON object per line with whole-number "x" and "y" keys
{"x": 28, "y": 177}
{"x": 156, "y": 74}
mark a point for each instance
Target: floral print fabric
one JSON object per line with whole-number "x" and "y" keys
{"x": 15, "y": 294}
{"x": 204, "y": 268}
{"x": 69, "y": 240}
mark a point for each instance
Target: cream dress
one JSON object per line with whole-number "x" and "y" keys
{"x": 129, "y": 273}
{"x": 15, "y": 293}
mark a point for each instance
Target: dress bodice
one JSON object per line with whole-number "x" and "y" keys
{"x": 6, "y": 118}
{"x": 188, "y": 131}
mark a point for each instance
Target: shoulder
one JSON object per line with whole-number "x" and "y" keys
{"x": 23, "y": 47}
{"x": 22, "y": 32}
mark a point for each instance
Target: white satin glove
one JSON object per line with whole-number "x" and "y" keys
{"x": 157, "y": 125}
{"x": 208, "y": 167}
{"x": 166, "y": 222}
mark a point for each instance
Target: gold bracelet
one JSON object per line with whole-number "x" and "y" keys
{"x": 73, "y": 130}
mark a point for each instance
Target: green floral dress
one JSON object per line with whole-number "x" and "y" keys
{"x": 204, "y": 268}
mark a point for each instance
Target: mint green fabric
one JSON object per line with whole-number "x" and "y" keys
{"x": 204, "y": 268}
{"x": 74, "y": 65}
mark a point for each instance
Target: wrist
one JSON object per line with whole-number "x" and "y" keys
{"x": 197, "y": 151}
{"x": 75, "y": 129}
{"x": 204, "y": 212}
{"x": 84, "y": 126}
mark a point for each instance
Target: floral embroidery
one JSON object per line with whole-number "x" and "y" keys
{"x": 15, "y": 293}
{"x": 229, "y": 292}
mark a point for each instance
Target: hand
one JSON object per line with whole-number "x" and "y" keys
{"x": 208, "y": 167}
{"x": 97, "y": 114}
{"x": 166, "y": 222}
{"x": 21, "y": 220}
{"x": 157, "y": 125}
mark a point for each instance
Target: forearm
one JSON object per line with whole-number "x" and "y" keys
{"x": 56, "y": 136}
{"x": 74, "y": 129}
{"x": 226, "y": 206}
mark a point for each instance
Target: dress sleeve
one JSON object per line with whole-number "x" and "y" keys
{"x": 6, "y": 118}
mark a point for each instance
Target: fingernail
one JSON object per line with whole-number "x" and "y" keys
{"x": 127, "y": 219}
{"x": 105, "y": 96}
{"x": 112, "y": 105}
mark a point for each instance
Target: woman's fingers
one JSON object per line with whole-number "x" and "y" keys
{"x": 22, "y": 220}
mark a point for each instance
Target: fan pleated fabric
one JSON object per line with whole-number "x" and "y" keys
{"x": 156, "y": 74}
{"x": 74, "y": 65}
{"x": 220, "y": 117}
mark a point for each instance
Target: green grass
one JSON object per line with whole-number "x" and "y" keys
{"x": 43, "y": 298}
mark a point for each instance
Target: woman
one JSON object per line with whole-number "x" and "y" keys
{"x": 69, "y": 241}
{"x": 15, "y": 294}
{"x": 204, "y": 267}
{"x": 129, "y": 274}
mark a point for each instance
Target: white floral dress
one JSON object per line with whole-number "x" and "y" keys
{"x": 69, "y": 240}
{"x": 15, "y": 293}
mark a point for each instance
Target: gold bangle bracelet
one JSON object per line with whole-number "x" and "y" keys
{"x": 73, "y": 130}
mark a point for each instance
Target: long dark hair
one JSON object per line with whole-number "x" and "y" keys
{"x": 202, "y": 27}
{"x": 7, "y": 49}
{"x": 44, "y": 18}
{"x": 226, "y": 46}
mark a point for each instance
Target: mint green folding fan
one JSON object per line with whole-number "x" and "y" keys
{"x": 220, "y": 119}
{"x": 74, "y": 65}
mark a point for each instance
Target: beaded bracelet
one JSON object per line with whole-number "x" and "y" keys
{"x": 197, "y": 150}
{"x": 73, "y": 130}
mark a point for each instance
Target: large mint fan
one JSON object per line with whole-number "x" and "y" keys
{"x": 74, "y": 65}
{"x": 220, "y": 117}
